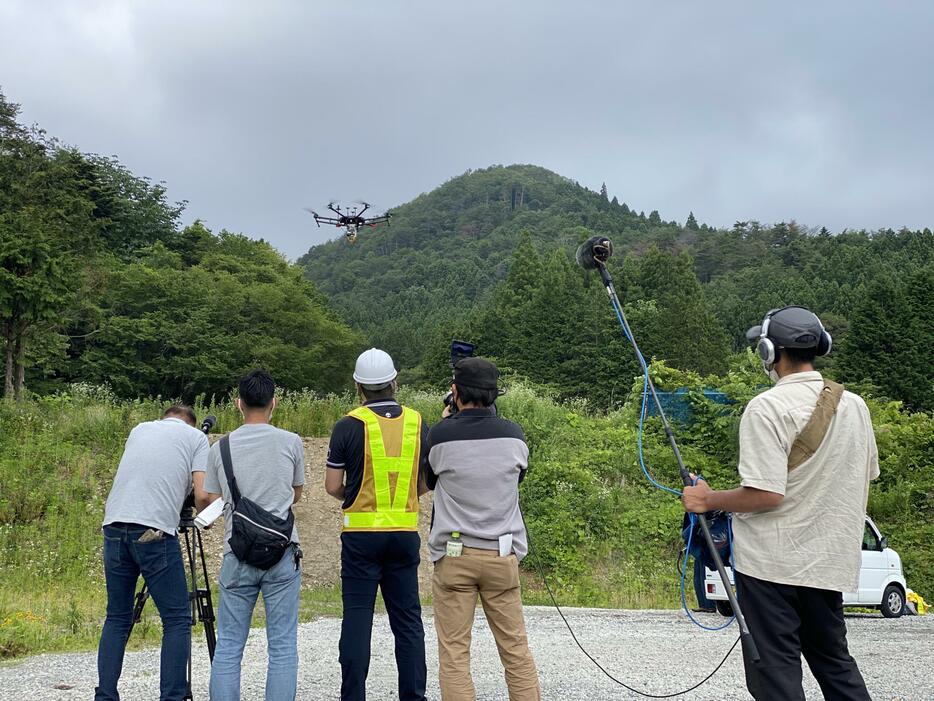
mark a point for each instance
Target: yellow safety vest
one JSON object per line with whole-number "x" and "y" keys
{"x": 388, "y": 496}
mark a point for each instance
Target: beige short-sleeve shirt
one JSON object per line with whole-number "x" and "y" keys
{"x": 813, "y": 538}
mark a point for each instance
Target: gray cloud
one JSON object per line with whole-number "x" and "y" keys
{"x": 250, "y": 111}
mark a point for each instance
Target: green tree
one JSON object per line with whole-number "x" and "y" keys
{"x": 170, "y": 329}
{"x": 46, "y": 230}
{"x": 685, "y": 332}
{"x": 889, "y": 343}
{"x": 741, "y": 299}
{"x": 135, "y": 212}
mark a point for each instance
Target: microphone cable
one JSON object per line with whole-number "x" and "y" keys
{"x": 596, "y": 663}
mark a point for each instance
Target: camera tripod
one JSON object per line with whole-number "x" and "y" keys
{"x": 202, "y": 607}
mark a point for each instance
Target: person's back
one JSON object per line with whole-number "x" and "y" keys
{"x": 475, "y": 463}
{"x": 268, "y": 468}
{"x": 806, "y": 456}
{"x": 160, "y": 463}
{"x": 817, "y": 529}
{"x": 264, "y": 460}
{"x": 478, "y": 460}
{"x": 154, "y": 475}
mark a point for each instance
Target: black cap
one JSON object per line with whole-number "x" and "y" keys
{"x": 791, "y": 327}
{"x": 475, "y": 372}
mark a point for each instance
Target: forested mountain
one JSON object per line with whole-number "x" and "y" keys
{"x": 488, "y": 255}
{"x": 446, "y": 250}
{"x": 99, "y": 283}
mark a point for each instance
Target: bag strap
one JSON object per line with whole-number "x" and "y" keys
{"x": 813, "y": 433}
{"x": 228, "y": 470}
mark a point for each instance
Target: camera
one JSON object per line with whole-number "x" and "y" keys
{"x": 459, "y": 350}
{"x": 187, "y": 514}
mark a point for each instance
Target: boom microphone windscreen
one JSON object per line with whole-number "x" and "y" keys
{"x": 208, "y": 423}
{"x": 594, "y": 252}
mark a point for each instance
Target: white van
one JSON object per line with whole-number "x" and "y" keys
{"x": 881, "y": 581}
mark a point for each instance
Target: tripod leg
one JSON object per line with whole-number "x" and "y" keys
{"x": 141, "y": 596}
{"x": 204, "y": 597}
{"x": 192, "y": 600}
{"x": 205, "y": 604}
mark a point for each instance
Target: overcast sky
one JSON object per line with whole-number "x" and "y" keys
{"x": 819, "y": 112}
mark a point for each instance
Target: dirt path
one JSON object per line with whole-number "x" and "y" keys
{"x": 319, "y": 526}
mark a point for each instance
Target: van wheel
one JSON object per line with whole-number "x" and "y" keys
{"x": 893, "y": 601}
{"x": 724, "y": 608}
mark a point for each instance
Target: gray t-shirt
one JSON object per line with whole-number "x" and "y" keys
{"x": 154, "y": 475}
{"x": 267, "y": 463}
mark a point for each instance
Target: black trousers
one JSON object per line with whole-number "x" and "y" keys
{"x": 787, "y": 622}
{"x": 388, "y": 561}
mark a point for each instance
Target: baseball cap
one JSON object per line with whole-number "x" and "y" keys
{"x": 791, "y": 327}
{"x": 475, "y": 372}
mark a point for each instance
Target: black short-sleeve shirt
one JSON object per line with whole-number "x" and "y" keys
{"x": 346, "y": 450}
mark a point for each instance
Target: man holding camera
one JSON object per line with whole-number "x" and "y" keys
{"x": 475, "y": 463}
{"x": 161, "y": 461}
{"x": 268, "y": 468}
{"x": 374, "y": 466}
{"x": 806, "y": 456}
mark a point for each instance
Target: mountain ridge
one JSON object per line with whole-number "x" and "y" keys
{"x": 447, "y": 248}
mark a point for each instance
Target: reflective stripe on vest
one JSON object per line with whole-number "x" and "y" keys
{"x": 391, "y": 507}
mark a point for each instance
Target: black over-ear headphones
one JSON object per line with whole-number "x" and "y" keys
{"x": 767, "y": 349}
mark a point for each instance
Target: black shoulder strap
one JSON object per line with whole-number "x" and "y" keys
{"x": 228, "y": 470}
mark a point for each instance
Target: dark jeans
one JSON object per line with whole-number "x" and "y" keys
{"x": 788, "y": 621}
{"x": 388, "y": 561}
{"x": 700, "y": 585}
{"x": 160, "y": 563}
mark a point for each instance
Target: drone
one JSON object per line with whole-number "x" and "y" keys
{"x": 350, "y": 219}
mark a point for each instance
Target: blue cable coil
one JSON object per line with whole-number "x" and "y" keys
{"x": 684, "y": 570}
{"x": 648, "y": 475}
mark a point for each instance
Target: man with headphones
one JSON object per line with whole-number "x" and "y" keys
{"x": 806, "y": 456}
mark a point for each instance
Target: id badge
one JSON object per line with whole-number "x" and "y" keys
{"x": 455, "y": 548}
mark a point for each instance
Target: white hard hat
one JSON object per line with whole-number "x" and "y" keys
{"x": 374, "y": 367}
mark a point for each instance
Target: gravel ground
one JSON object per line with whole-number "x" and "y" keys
{"x": 659, "y": 651}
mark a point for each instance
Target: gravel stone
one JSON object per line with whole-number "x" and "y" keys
{"x": 657, "y": 651}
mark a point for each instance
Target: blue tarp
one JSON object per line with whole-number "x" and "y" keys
{"x": 677, "y": 404}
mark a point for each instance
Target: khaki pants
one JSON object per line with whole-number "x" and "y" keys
{"x": 455, "y": 585}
